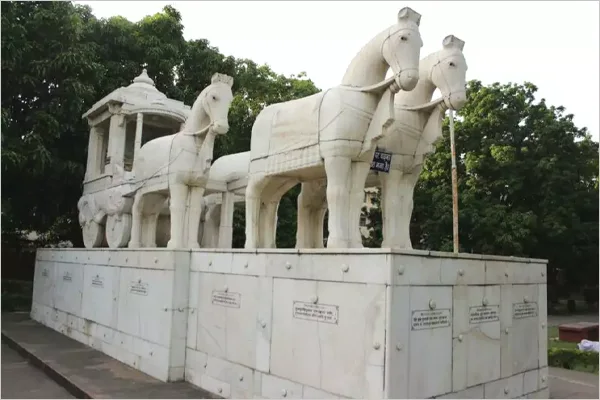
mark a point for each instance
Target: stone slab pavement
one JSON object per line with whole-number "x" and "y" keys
{"x": 21, "y": 380}
{"x": 567, "y": 384}
{"x": 556, "y": 320}
{"x": 83, "y": 371}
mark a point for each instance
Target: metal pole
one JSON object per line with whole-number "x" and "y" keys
{"x": 454, "y": 185}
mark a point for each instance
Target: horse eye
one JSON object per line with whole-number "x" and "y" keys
{"x": 452, "y": 64}
{"x": 404, "y": 38}
{"x": 214, "y": 98}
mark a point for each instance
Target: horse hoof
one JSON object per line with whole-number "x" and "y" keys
{"x": 134, "y": 245}
{"x": 194, "y": 245}
{"x": 173, "y": 245}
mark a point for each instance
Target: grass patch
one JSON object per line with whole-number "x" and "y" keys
{"x": 567, "y": 355}
{"x": 554, "y": 343}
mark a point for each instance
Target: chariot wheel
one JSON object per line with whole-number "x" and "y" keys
{"x": 93, "y": 234}
{"x": 118, "y": 230}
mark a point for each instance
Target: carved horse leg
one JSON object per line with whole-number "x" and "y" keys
{"x": 194, "y": 214}
{"x": 312, "y": 206}
{"x": 303, "y": 228}
{"x": 153, "y": 204}
{"x": 268, "y": 223}
{"x": 179, "y": 195}
{"x": 151, "y": 226}
{"x": 339, "y": 175}
{"x": 256, "y": 184}
{"x": 318, "y": 218}
{"x": 136, "y": 221}
{"x": 396, "y": 207}
{"x": 270, "y": 204}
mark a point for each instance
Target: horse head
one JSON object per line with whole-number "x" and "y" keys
{"x": 402, "y": 47}
{"x": 217, "y": 99}
{"x": 448, "y": 72}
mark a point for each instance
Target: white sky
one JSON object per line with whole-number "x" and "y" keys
{"x": 554, "y": 45}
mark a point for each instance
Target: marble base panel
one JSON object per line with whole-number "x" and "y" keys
{"x": 366, "y": 324}
{"x": 129, "y": 304}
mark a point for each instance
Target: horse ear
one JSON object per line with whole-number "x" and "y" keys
{"x": 452, "y": 41}
{"x": 409, "y": 14}
{"x": 226, "y": 79}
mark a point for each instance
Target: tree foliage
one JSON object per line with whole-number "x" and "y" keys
{"x": 528, "y": 183}
{"x": 49, "y": 72}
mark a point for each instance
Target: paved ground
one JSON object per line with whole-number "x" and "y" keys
{"x": 86, "y": 372}
{"x": 21, "y": 380}
{"x": 555, "y": 320}
{"x": 567, "y": 384}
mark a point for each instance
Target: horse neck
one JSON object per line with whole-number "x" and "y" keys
{"x": 368, "y": 66}
{"x": 423, "y": 92}
{"x": 208, "y": 143}
{"x": 198, "y": 118}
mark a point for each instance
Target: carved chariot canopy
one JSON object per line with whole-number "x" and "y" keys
{"x": 140, "y": 96}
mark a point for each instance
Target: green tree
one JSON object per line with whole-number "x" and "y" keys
{"x": 123, "y": 47}
{"x": 48, "y": 79}
{"x": 374, "y": 221}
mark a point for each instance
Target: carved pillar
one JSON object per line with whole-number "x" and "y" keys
{"x": 91, "y": 170}
{"x": 138, "y": 134}
{"x": 226, "y": 226}
{"x": 102, "y": 136}
{"x": 116, "y": 141}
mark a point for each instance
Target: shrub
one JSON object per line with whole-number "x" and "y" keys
{"x": 573, "y": 359}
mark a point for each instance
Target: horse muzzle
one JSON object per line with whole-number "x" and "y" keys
{"x": 408, "y": 79}
{"x": 456, "y": 100}
{"x": 220, "y": 127}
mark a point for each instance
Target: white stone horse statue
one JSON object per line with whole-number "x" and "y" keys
{"x": 177, "y": 166}
{"x": 331, "y": 135}
{"x": 417, "y": 125}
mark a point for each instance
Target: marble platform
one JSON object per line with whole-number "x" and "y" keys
{"x": 128, "y": 304}
{"x": 283, "y": 323}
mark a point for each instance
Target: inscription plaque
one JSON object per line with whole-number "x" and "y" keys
{"x": 138, "y": 287}
{"x": 430, "y": 319}
{"x": 524, "y": 310}
{"x": 45, "y": 272}
{"x": 67, "y": 277}
{"x": 483, "y": 314}
{"x": 382, "y": 161}
{"x": 316, "y": 312}
{"x": 98, "y": 281}
{"x": 226, "y": 299}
